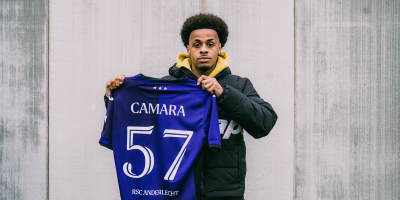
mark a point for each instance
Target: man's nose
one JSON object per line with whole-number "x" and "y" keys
{"x": 203, "y": 48}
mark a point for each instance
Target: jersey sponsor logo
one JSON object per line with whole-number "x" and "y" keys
{"x": 148, "y": 108}
{"x": 148, "y": 154}
{"x": 228, "y": 129}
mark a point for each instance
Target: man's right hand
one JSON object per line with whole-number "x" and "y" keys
{"x": 114, "y": 84}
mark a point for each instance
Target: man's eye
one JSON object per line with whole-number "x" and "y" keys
{"x": 196, "y": 45}
{"x": 211, "y": 44}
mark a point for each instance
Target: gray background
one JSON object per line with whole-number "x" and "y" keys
{"x": 329, "y": 68}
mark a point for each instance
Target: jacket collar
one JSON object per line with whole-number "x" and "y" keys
{"x": 183, "y": 71}
{"x": 184, "y": 61}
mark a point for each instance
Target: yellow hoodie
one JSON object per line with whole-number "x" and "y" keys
{"x": 183, "y": 60}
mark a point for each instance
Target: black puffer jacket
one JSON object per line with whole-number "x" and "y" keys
{"x": 239, "y": 106}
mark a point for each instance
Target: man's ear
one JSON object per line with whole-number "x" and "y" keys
{"x": 188, "y": 50}
{"x": 219, "y": 47}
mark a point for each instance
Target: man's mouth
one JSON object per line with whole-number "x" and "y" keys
{"x": 204, "y": 59}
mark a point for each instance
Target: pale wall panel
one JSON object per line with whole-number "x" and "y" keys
{"x": 24, "y": 100}
{"x": 347, "y": 86}
{"x": 92, "y": 41}
{"x": 261, "y": 48}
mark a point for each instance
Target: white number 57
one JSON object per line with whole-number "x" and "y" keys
{"x": 148, "y": 154}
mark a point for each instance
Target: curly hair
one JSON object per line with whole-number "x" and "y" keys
{"x": 204, "y": 21}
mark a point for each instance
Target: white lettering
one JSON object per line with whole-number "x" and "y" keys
{"x": 164, "y": 108}
{"x": 151, "y": 109}
{"x": 172, "y": 110}
{"x": 155, "y": 192}
{"x": 143, "y": 108}
{"x": 233, "y": 128}
{"x": 137, "y": 191}
{"x": 132, "y": 107}
{"x": 181, "y": 110}
{"x": 222, "y": 125}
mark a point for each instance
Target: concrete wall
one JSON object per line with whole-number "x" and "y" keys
{"x": 347, "y": 107}
{"x": 93, "y": 41}
{"x": 24, "y": 99}
{"x": 329, "y": 68}
{"x": 262, "y": 48}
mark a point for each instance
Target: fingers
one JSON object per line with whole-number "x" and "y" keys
{"x": 212, "y": 88}
{"x": 113, "y": 84}
{"x": 211, "y": 85}
{"x": 108, "y": 88}
{"x": 208, "y": 83}
{"x": 204, "y": 80}
{"x": 110, "y": 84}
{"x": 116, "y": 82}
{"x": 122, "y": 78}
{"x": 202, "y": 77}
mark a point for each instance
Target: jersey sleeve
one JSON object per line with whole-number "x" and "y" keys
{"x": 214, "y": 137}
{"x": 106, "y": 134}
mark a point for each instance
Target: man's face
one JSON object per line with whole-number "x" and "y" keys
{"x": 204, "y": 47}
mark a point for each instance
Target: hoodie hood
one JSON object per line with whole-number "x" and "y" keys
{"x": 183, "y": 60}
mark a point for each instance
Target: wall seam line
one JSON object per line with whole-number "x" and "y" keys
{"x": 48, "y": 101}
{"x": 294, "y": 100}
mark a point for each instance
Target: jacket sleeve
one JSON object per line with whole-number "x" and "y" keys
{"x": 255, "y": 115}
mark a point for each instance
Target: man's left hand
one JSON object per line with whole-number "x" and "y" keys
{"x": 210, "y": 85}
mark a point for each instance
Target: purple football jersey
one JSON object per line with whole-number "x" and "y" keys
{"x": 156, "y": 129}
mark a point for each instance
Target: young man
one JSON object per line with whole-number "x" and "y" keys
{"x": 239, "y": 105}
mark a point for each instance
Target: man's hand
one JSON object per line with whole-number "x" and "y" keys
{"x": 210, "y": 85}
{"x": 114, "y": 84}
